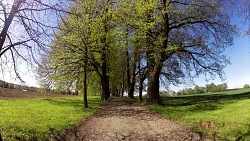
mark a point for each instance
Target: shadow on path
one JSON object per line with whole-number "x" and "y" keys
{"x": 125, "y": 120}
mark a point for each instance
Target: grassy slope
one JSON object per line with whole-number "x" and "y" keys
{"x": 229, "y": 113}
{"x": 35, "y": 118}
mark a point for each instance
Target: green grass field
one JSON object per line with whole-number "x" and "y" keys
{"x": 227, "y": 112}
{"x": 34, "y": 119}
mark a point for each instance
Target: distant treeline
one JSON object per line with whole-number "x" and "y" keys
{"x": 4, "y": 84}
{"x": 8, "y": 85}
{"x": 200, "y": 90}
{"x": 59, "y": 91}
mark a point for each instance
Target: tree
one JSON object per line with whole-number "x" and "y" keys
{"x": 190, "y": 91}
{"x": 196, "y": 32}
{"x": 130, "y": 22}
{"x": 198, "y": 90}
{"x": 243, "y": 8}
{"x": 175, "y": 39}
{"x": 246, "y": 86}
{"x": 69, "y": 51}
{"x": 142, "y": 71}
{"x": 86, "y": 38}
{"x": 24, "y": 32}
{"x": 44, "y": 72}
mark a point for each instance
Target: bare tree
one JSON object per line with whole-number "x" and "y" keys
{"x": 25, "y": 30}
{"x": 245, "y": 11}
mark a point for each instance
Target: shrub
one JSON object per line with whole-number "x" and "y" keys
{"x": 246, "y": 86}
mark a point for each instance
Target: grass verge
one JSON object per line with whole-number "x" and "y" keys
{"x": 34, "y": 119}
{"x": 225, "y": 115}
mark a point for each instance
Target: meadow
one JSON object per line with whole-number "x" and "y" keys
{"x": 35, "y": 119}
{"x": 224, "y": 115}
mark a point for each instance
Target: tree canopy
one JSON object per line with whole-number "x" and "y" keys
{"x": 126, "y": 42}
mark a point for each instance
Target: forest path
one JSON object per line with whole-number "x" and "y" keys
{"x": 121, "y": 119}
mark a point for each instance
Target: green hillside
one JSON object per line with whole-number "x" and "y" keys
{"x": 224, "y": 115}
{"x": 35, "y": 119}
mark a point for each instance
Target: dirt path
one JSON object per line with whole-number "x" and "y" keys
{"x": 123, "y": 120}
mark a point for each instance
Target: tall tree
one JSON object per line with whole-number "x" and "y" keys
{"x": 85, "y": 39}
{"x": 196, "y": 32}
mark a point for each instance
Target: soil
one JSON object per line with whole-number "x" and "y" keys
{"x": 6, "y": 93}
{"x": 129, "y": 121}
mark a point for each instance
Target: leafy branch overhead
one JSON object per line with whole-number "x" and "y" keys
{"x": 130, "y": 41}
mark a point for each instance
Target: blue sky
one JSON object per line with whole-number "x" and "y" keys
{"x": 238, "y": 73}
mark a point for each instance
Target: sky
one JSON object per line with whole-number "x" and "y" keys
{"x": 237, "y": 74}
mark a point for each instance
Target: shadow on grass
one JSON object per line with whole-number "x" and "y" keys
{"x": 206, "y": 101}
{"x": 93, "y": 102}
{"x": 196, "y": 112}
{"x": 243, "y": 135}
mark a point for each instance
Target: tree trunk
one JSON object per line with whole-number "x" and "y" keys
{"x": 85, "y": 79}
{"x": 8, "y": 22}
{"x": 122, "y": 92}
{"x": 140, "y": 89}
{"x": 141, "y": 79}
{"x": 154, "y": 70}
{"x": 133, "y": 75}
{"x": 1, "y": 139}
{"x": 123, "y": 80}
{"x": 153, "y": 87}
{"x": 108, "y": 88}
{"x": 104, "y": 76}
{"x": 128, "y": 73}
{"x": 132, "y": 87}
{"x": 85, "y": 88}
{"x": 114, "y": 91}
{"x": 132, "y": 82}
{"x": 105, "y": 88}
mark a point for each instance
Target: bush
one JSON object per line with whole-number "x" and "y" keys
{"x": 246, "y": 86}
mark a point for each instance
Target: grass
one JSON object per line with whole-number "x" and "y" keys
{"x": 34, "y": 119}
{"x": 227, "y": 112}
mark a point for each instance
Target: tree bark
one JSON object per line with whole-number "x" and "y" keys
{"x": 104, "y": 79}
{"x": 85, "y": 79}
{"x": 8, "y": 21}
{"x": 105, "y": 88}
{"x": 154, "y": 70}
{"x": 140, "y": 89}
{"x": 153, "y": 87}
{"x": 128, "y": 73}
{"x": 85, "y": 89}
{"x": 142, "y": 77}
{"x": 155, "y": 60}
{"x": 104, "y": 69}
{"x": 132, "y": 77}
{"x": 132, "y": 82}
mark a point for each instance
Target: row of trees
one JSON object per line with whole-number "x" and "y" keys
{"x": 120, "y": 44}
{"x": 4, "y": 84}
{"x": 200, "y": 90}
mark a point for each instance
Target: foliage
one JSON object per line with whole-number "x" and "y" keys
{"x": 172, "y": 39}
{"x": 227, "y": 112}
{"x": 246, "y": 86}
{"x": 87, "y": 34}
{"x": 200, "y": 90}
{"x": 34, "y": 119}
